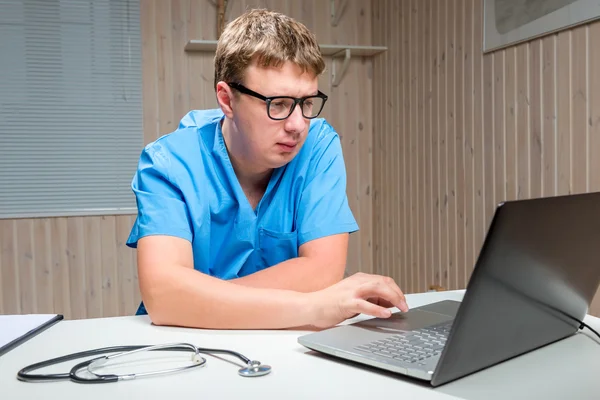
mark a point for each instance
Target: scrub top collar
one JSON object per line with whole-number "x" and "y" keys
{"x": 220, "y": 151}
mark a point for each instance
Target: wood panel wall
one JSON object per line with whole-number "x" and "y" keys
{"x": 77, "y": 266}
{"x": 456, "y": 132}
{"x": 435, "y": 131}
{"x": 80, "y": 266}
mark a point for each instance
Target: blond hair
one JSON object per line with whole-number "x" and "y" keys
{"x": 271, "y": 39}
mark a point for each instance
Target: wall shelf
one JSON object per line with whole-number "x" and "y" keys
{"x": 201, "y": 45}
{"x": 333, "y": 50}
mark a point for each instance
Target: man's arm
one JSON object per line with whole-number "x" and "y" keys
{"x": 174, "y": 293}
{"x": 320, "y": 263}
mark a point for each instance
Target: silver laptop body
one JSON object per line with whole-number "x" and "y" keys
{"x": 534, "y": 279}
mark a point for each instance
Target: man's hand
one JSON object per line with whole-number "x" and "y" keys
{"x": 360, "y": 293}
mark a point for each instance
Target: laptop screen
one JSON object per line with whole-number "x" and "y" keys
{"x": 536, "y": 275}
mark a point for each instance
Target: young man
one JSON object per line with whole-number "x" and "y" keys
{"x": 243, "y": 220}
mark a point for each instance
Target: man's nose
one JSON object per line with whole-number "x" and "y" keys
{"x": 295, "y": 122}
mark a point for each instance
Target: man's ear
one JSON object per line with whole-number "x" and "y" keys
{"x": 225, "y": 99}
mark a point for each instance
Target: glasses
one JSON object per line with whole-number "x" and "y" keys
{"x": 281, "y": 107}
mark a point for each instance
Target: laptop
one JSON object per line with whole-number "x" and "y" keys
{"x": 534, "y": 279}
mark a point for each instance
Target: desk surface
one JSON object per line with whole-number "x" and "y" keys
{"x": 567, "y": 369}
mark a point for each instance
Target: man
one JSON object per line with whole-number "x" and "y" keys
{"x": 243, "y": 220}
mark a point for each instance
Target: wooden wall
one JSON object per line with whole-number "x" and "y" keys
{"x": 433, "y": 130}
{"x": 80, "y": 266}
{"x": 77, "y": 266}
{"x": 456, "y": 132}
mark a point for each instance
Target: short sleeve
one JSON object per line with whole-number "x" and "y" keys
{"x": 161, "y": 208}
{"x": 324, "y": 208}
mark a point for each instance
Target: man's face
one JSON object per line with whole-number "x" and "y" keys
{"x": 259, "y": 141}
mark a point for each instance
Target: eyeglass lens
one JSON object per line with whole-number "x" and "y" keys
{"x": 280, "y": 108}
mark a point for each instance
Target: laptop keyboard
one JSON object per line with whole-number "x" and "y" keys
{"x": 411, "y": 347}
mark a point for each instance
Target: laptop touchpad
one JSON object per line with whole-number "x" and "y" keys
{"x": 446, "y": 307}
{"x": 408, "y": 321}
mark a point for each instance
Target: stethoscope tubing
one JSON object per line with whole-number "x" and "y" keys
{"x": 25, "y": 375}
{"x": 198, "y": 361}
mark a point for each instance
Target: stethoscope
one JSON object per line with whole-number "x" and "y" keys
{"x": 252, "y": 369}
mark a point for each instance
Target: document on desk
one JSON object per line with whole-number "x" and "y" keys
{"x": 16, "y": 329}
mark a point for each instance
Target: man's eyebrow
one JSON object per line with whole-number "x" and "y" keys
{"x": 316, "y": 92}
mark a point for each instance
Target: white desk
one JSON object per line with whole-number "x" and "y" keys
{"x": 567, "y": 369}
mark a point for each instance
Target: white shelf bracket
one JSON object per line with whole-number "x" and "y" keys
{"x": 336, "y": 14}
{"x": 336, "y": 77}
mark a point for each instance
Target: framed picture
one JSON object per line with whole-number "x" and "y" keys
{"x": 507, "y": 22}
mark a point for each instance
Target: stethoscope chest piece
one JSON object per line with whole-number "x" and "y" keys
{"x": 254, "y": 369}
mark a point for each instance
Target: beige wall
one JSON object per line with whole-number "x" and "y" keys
{"x": 434, "y": 158}
{"x": 456, "y": 132}
{"x": 80, "y": 266}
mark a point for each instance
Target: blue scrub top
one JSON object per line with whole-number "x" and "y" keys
{"x": 185, "y": 186}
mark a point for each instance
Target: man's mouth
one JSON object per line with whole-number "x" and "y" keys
{"x": 287, "y": 146}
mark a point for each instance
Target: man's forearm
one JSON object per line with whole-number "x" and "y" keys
{"x": 299, "y": 274}
{"x": 184, "y": 297}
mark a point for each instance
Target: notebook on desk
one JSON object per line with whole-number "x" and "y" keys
{"x": 17, "y": 329}
{"x": 534, "y": 279}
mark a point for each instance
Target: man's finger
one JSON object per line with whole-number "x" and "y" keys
{"x": 380, "y": 302}
{"x": 365, "y": 307}
{"x": 392, "y": 284}
{"x": 380, "y": 290}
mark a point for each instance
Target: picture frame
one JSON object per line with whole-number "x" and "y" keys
{"x": 509, "y": 22}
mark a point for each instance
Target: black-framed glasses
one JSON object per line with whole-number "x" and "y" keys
{"x": 281, "y": 107}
